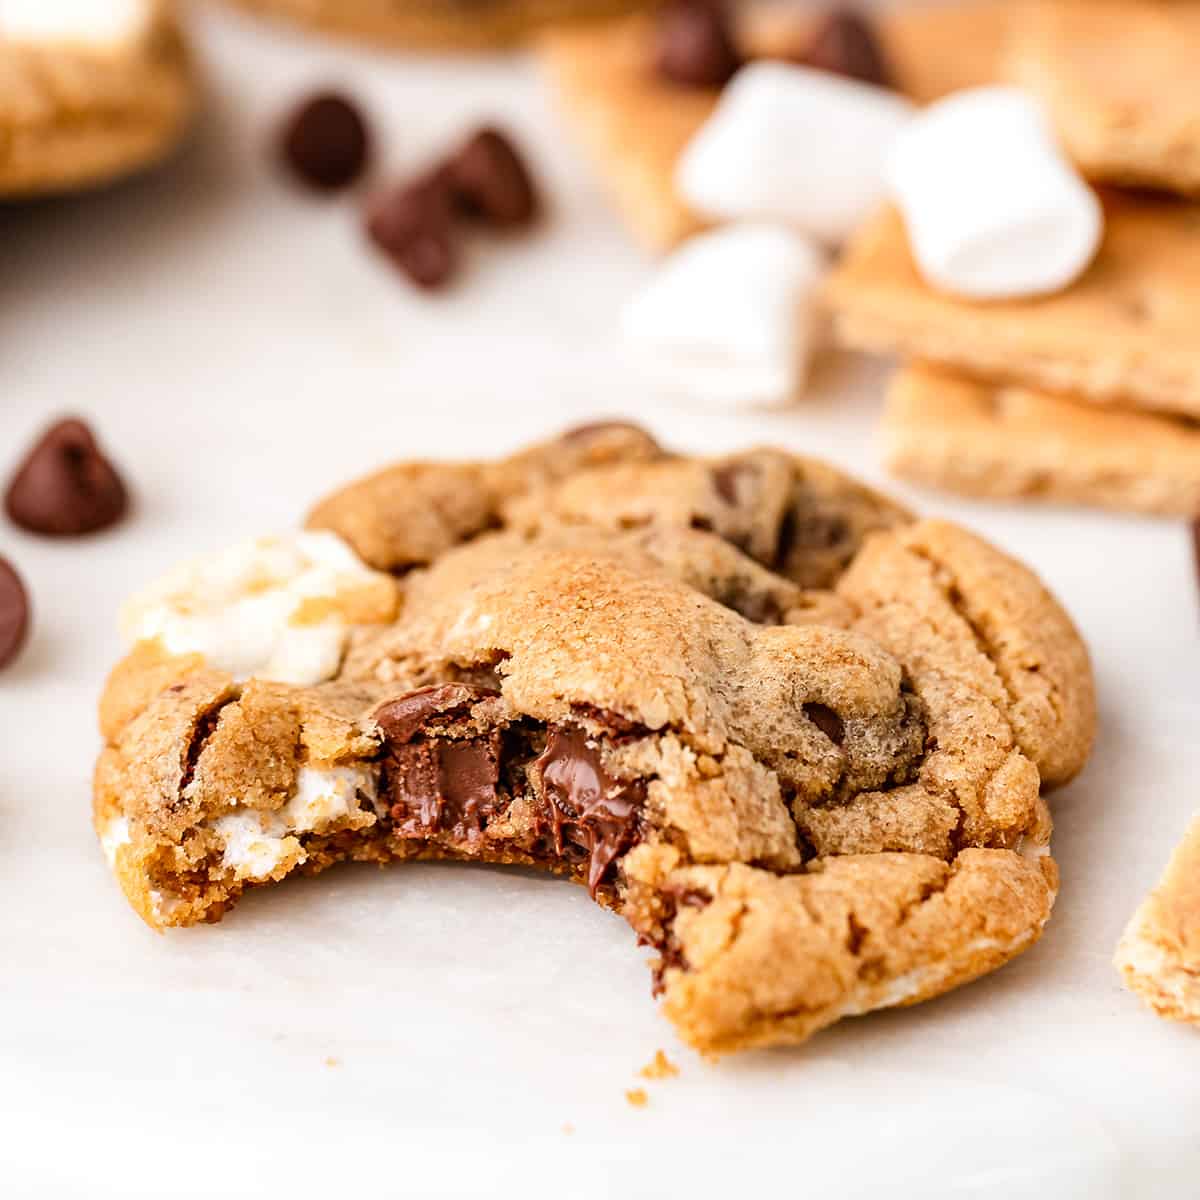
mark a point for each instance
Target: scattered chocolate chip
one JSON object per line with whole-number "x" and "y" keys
{"x": 846, "y": 44}
{"x": 412, "y": 226}
{"x": 14, "y": 613}
{"x": 827, "y": 721}
{"x": 326, "y": 142}
{"x": 586, "y": 808}
{"x": 66, "y": 487}
{"x": 491, "y": 181}
{"x": 694, "y": 44}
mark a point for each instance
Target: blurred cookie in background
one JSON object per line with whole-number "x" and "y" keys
{"x": 440, "y": 24}
{"x": 90, "y": 91}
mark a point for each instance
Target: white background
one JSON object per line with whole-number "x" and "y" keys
{"x": 429, "y": 1031}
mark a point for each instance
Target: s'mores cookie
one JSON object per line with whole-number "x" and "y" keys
{"x": 1159, "y": 954}
{"x": 1008, "y": 442}
{"x": 1122, "y": 334}
{"x": 634, "y": 122}
{"x": 795, "y": 736}
{"x": 1118, "y": 78}
{"x": 450, "y": 24}
{"x": 90, "y": 90}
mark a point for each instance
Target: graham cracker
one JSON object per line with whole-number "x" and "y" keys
{"x": 1124, "y": 332}
{"x": 1119, "y": 79}
{"x": 1159, "y": 954}
{"x": 1004, "y": 442}
{"x": 634, "y": 124}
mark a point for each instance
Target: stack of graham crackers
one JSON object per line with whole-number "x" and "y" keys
{"x": 1089, "y": 395}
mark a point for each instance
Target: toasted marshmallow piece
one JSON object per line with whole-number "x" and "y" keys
{"x": 795, "y": 145}
{"x": 279, "y": 608}
{"x": 97, "y": 23}
{"x": 729, "y": 319}
{"x": 259, "y": 842}
{"x": 993, "y": 209}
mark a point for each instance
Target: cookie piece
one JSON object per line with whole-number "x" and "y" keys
{"x": 1008, "y": 442}
{"x": 438, "y": 24}
{"x": 1118, "y": 80}
{"x": 634, "y": 123}
{"x": 84, "y": 104}
{"x": 1121, "y": 334}
{"x": 796, "y": 738}
{"x": 1159, "y": 953}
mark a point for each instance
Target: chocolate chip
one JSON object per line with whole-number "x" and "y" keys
{"x": 326, "y": 142}
{"x": 402, "y": 719}
{"x": 585, "y": 807}
{"x": 492, "y": 182}
{"x": 694, "y": 44}
{"x": 66, "y": 487}
{"x": 412, "y": 226}
{"x": 14, "y": 613}
{"x": 846, "y": 44}
{"x": 827, "y": 721}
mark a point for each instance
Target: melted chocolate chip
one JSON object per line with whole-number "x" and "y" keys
{"x": 827, "y": 721}
{"x": 694, "y": 44}
{"x": 846, "y": 44}
{"x": 326, "y": 143}
{"x": 492, "y": 182}
{"x": 14, "y": 613}
{"x": 402, "y": 719}
{"x": 66, "y": 487}
{"x": 586, "y": 809}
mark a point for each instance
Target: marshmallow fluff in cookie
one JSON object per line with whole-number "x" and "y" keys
{"x": 87, "y": 23}
{"x": 746, "y": 702}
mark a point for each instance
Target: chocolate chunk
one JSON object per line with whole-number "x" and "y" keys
{"x": 827, "y": 721}
{"x": 412, "y": 226}
{"x": 14, "y": 613}
{"x": 326, "y": 142}
{"x": 694, "y": 44}
{"x": 439, "y": 783}
{"x": 402, "y": 719}
{"x": 846, "y": 44}
{"x": 66, "y": 487}
{"x": 491, "y": 181}
{"x": 587, "y": 810}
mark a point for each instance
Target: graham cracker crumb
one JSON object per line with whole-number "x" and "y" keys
{"x": 637, "y": 1097}
{"x": 333, "y": 1062}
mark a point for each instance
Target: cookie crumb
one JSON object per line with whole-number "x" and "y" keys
{"x": 659, "y": 1067}
{"x": 568, "y": 1128}
{"x": 637, "y": 1097}
{"x": 333, "y": 1062}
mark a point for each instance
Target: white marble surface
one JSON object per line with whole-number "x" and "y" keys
{"x": 430, "y": 1031}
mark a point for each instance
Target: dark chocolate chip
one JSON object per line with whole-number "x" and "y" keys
{"x": 492, "y": 182}
{"x": 846, "y": 44}
{"x": 412, "y": 226}
{"x": 444, "y": 785}
{"x": 694, "y": 44}
{"x": 827, "y": 721}
{"x": 586, "y": 808}
{"x": 402, "y": 719}
{"x": 66, "y": 487}
{"x": 14, "y": 613}
{"x": 326, "y": 142}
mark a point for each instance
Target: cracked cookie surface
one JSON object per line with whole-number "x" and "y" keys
{"x": 795, "y": 736}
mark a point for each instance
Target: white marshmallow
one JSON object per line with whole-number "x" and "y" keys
{"x": 113, "y": 836}
{"x": 249, "y": 610}
{"x": 100, "y": 23}
{"x": 993, "y": 209}
{"x": 258, "y": 842}
{"x": 796, "y": 145}
{"x": 729, "y": 318}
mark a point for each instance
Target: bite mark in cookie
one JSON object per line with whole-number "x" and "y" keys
{"x": 834, "y": 810}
